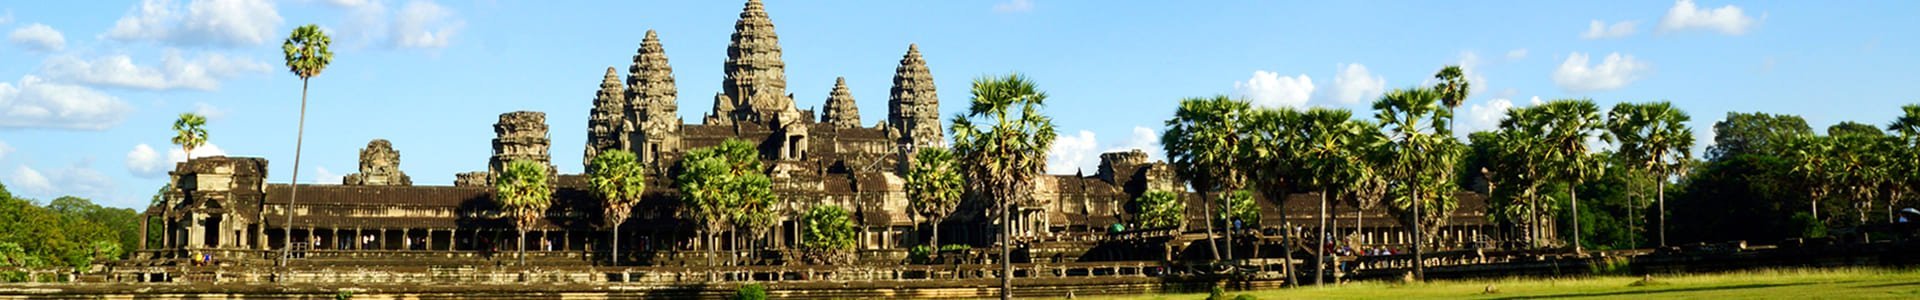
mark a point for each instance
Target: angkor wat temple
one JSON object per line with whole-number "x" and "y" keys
{"x": 223, "y": 209}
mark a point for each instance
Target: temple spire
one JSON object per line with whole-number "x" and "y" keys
{"x": 756, "y": 79}
{"x": 913, "y": 107}
{"x": 841, "y": 111}
{"x": 651, "y": 94}
{"x": 606, "y": 120}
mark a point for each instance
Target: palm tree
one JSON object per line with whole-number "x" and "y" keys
{"x": 1327, "y": 161}
{"x": 1654, "y": 137}
{"x": 1203, "y": 141}
{"x": 190, "y": 132}
{"x": 1811, "y": 157}
{"x": 307, "y": 55}
{"x": 933, "y": 188}
{"x": 1419, "y": 148}
{"x": 1453, "y": 88}
{"x": 1570, "y": 124}
{"x": 1521, "y": 154}
{"x": 523, "y": 193}
{"x": 1906, "y": 156}
{"x": 1001, "y": 142}
{"x": 1268, "y": 138}
{"x": 725, "y": 186}
{"x": 617, "y": 178}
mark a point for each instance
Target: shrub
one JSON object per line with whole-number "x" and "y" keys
{"x": 1217, "y": 293}
{"x": 920, "y": 254}
{"x": 753, "y": 291}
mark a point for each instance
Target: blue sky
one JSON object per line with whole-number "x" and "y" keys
{"x": 88, "y": 89}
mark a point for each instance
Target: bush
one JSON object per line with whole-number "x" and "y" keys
{"x": 1807, "y": 226}
{"x": 1611, "y": 265}
{"x": 920, "y": 254}
{"x": 1217, "y": 293}
{"x": 955, "y": 247}
{"x": 753, "y": 291}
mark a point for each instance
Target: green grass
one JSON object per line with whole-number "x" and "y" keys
{"x": 1838, "y": 283}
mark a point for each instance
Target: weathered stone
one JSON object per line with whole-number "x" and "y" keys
{"x": 756, "y": 78}
{"x": 913, "y": 107}
{"x": 470, "y": 179}
{"x": 379, "y": 165}
{"x": 653, "y": 112}
{"x": 606, "y": 119}
{"x": 519, "y": 135}
{"x": 841, "y": 110}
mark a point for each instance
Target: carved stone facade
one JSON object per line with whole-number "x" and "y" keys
{"x": 653, "y": 113}
{"x": 913, "y": 106}
{"x": 379, "y": 165}
{"x": 607, "y": 117}
{"x": 841, "y": 111}
{"x": 520, "y": 135}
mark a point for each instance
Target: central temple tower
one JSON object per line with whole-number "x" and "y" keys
{"x": 755, "y": 87}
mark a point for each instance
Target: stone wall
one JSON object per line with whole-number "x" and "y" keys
{"x": 379, "y": 165}
{"x": 521, "y": 135}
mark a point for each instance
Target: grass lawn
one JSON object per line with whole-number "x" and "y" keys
{"x": 1804, "y": 284}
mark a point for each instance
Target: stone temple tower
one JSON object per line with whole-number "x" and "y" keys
{"x": 379, "y": 165}
{"x": 756, "y": 78}
{"x": 519, "y": 135}
{"x": 653, "y": 112}
{"x": 841, "y": 111}
{"x": 913, "y": 109}
{"x": 606, "y": 121}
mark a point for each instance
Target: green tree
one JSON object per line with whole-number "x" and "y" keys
{"x": 829, "y": 232}
{"x": 190, "y": 132}
{"x": 1453, "y": 88}
{"x": 725, "y": 186}
{"x": 1263, "y": 157}
{"x": 1570, "y": 124}
{"x": 617, "y": 178}
{"x": 1519, "y": 166}
{"x": 1328, "y": 161}
{"x": 1161, "y": 209}
{"x": 933, "y": 188}
{"x": 307, "y": 55}
{"x": 1905, "y": 157}
{"x": 1422, "y": 151}
{"x": 1203, "y": 141}
{"x": 1754, "y": 133}
{"x": 1002, "y": 142}
{"x": 523, "y": 194}
{"x": 1812, "y": 159}
{"x": 1654, "y": 138}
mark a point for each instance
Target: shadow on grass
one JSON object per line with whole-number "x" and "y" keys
{"x": 1652, "y": 292}
{"x": 1888, "y": 285}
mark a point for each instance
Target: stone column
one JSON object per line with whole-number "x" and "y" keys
{"x": 143, "y": 230}
{"x": 196, "y": 233}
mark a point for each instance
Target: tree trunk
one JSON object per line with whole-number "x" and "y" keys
{"x": 935, "y": 225}
{"x": 293, "y": 188}
{"x": 1006, "y": 250}
{"x": 1663, "y": 212}
{"x": 1419, "y": 262}
{"x": 523, "y": 246}
{"x": 1227, "y": 208}
{"x": 1212, "y": 245}
{"x": 1320, "y": 251}
{"x": 1573, "y": 195}
{"x": 1533, "y": 219}
{"x": 613, "y": 255}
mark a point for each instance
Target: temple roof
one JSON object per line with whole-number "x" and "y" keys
{"x": 754, "y": 72}
{"x": 841, "y": 111}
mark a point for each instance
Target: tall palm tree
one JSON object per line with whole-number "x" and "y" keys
{"x": 1414, "y": 117}
{"x": 1571, "y": 122}
{"x": 933, "y": 188}
{"x": 1328, "y": 162}
{"x": 1811, "y": 157}
{"x": 307, "y": 55}
{"x": 1264, "y": 156}
{"x": 1906, "y": 154}
{"x": 1203, "y": 141}
{"x": 523, "y": 194}
{"x": 1655, "y": 138}
{"x": 190, "y": 132}
{"x": 1522, "y": 154}
{"x": 618, "y": 179}
{"x": 1002, "y": 142}
{"x": 1453, "y": 88}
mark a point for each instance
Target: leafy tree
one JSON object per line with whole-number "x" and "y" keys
{"x": 1811, "y": 157}
{"x": 1861, "y": 162}
{"x": 190, "y": 132}
{"x": 1654, "y": 138}
{"x": 751, "y": 291}
{"x": 829, "y": 232}
{"x": 933, "y": 187}
{"x": 1328, "y": 161}
{"x": 1240, "y": 209}
{"x": 1263, "y": 157}
{"x": 1453, "y": 88}
{"x": 1422, "y": 150}
{"x": 1571, "y": 123}
{"x": 1904, "y": 160}
{"x": 1161, "y": 209}
{"x": 617, "y": 178}
{"x": 1203, "y": 141}
{"x": 1754, "y": 133}
{"x": 725, "y": 186}
{"x": 1002, "y": 142}
{"x": 523, "y": 193}
{"x": 307, "y": 55}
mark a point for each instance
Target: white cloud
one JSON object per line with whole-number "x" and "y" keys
{"x": 1517, "y": 54}
{"x": 1144, "y": 139}
{"x": 1614, "y": 72}
{"x": 1273, "y": 90}
{"x": 35, "y": 103}
{"x": 78, "y": 180}
{"x": 1600, "y": 30}
{"x": 144, "y": 161}
{"x": 30, "y": 180}
{"x": 38, "y": 37}
{"x": 324, "y": 176}
{"x": 1485, "y": 115}
{"x": 1354, "y": 84}
{"x": 204, "y": 22}
{"x": 1014, "y": 6}
{"x": 175, "y": 71}
{"x": 1726, "y": 19}
{"x": 1470, "y": 64}
{"x": 349, "y": 3}
{"x": 424, "y": 24}
{"x": 1073, "y": 153}
{"x": 208, "y": 110}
